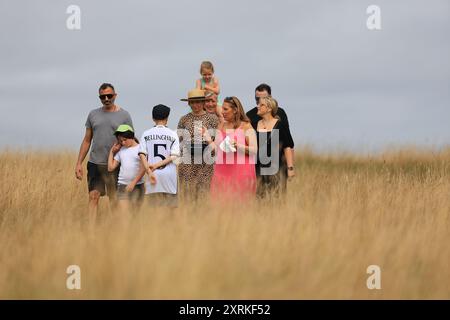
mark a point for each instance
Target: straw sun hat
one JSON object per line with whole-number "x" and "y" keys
{"x": 195, "y": 95}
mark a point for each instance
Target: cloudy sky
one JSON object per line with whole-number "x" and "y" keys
{"x": 342, "y": 85}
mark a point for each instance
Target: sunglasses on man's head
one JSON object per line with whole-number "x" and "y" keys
{"x": 104, "y": 96}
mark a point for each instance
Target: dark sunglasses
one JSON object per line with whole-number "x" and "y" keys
{"x": 257, "y": 99}
{"x": 104, "y": 96}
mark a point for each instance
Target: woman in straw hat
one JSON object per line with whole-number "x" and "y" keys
{"x": 235, "y": 146}
{"x": 194, "y": 172}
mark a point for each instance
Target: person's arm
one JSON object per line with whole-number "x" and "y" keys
{"x": 288, "y": 148}
{"x": 146, "y": 168}
{"x": 283, "y": 117}
{"x": 215, "y": 87}
{"x": 144, "y": 161}
{"x": 113, "y": 160}
{"x": 285, "y": 121}
{"x": 289, "y": 140}
{"x": 142, "y": 153}
{"x": 198, "y": 84}
{"x": 162, "y": 163}
{"x": 84, "y": 149}
{"x": 289, "y": 155}
{"x": 209, "y": 139}
{"x": 219, "y": 114}
{"x": 132, "y": 184}
{"x": 180, "y": 127}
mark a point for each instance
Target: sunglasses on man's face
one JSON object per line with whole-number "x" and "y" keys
{"x": 104, "y": 96}
{"x": 257, "y": 100}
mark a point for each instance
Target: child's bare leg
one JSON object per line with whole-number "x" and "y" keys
{"x": 123, "y": 212}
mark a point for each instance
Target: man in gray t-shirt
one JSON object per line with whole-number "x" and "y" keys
{"x": 101, "y": 124}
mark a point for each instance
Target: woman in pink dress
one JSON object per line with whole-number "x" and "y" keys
{"x": 235, "y": 146}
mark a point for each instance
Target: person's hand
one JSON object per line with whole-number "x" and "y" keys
{"x": 152, "y": 178}
{"x": 219, "y": 111}
{"x": 151, "y": 175}
{"x": 79, "y": 171}
{"x": 130, "y": 187}
{"x": 206, "y": 134}
{"x": 151, "y": 167}
{"x": 234, "y": 144}
{"x": 116, "y": 147}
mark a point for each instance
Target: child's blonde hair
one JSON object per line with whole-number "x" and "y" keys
{"x": 206, "y": 65}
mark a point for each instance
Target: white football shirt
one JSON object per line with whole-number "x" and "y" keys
{"x": 159, "y": 143}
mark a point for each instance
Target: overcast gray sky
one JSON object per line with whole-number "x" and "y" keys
{"x": 342, "y": 85}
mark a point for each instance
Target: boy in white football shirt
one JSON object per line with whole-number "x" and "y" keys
{"x": 158, "y": 149}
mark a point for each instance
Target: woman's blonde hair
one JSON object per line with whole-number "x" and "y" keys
{"x": 240, "y": 114}
{"x": 206, "y": 65}
{"x": 272, "y": 104}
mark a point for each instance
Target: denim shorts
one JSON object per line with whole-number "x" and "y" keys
{"x": 137, "y": 195}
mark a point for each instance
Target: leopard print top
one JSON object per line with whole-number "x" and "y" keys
{"x": 195, "y": 177}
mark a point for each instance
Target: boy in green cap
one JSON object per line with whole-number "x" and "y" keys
{"x": 130, "y": 187}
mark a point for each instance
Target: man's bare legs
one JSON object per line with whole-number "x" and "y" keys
{"x": 94, "y": 197}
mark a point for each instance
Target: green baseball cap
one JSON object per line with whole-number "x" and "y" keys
{"x": 124, "y": 128}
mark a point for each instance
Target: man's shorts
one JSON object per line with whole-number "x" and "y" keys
{"x": 135, "y": 196}
{"x": 101, "y": 180}
{"x": 161, "y": 199}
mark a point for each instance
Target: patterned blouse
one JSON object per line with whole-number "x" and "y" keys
{"x": 193, "y": 172}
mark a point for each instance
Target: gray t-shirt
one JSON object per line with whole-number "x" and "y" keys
{"x": 103, "y": 125}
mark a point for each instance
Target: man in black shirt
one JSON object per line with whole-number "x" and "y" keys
{"x": 264, "y": 90}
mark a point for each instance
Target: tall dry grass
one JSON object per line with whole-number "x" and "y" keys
{"x": 342, "y": 213}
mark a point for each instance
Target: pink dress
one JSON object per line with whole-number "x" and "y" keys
{"x": 234, "y": 175}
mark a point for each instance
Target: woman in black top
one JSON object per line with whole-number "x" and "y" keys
{"x": 274, "y": 163}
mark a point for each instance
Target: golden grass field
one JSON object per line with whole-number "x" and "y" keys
{"x": 343, "y": 212}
